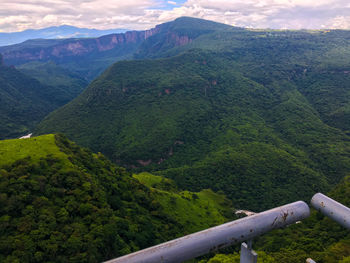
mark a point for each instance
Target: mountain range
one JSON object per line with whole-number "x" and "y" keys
{"x": 54, "y": 32}
{"x": 258, "y": 116}
{"x": 90, "y": 57}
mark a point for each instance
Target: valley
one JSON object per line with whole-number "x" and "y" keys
{"x": 191, "y": 115}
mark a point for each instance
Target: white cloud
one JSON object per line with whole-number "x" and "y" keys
{"x": 18, "y": 15}
{"x": 340, "y": 22}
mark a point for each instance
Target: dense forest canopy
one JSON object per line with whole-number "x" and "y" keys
{"x": 60, "y": 202}
{"x": 24, "y": 101}
{"x": 217, "y": 119}
{"x": 259, "y": 116}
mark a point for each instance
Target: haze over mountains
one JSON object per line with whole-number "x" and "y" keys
{"x": 64, "y": 31}
{"x": 90, "y": 57}
{"x": 261, "y": 116}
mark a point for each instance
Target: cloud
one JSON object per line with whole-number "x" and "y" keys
{"x": 291, "y": 14}
{"x": 16, "y": 15}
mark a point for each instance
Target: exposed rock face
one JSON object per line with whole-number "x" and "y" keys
{"x": 99, "y": 53}
{"x": 78, "y": 47}
{"x": 114, "y": 45}
{"x": 179, "y": 40}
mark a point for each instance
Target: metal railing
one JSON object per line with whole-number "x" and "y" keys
{"x": 244, "y": 229}
{"x": 332, "y": 209}
{"x": 212, "y": 239}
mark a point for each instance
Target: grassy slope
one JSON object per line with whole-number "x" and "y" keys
{"x": 195, "y": 211}
{"x": 36, "y": 147}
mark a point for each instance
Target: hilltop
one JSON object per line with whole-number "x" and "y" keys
{"x": 60, "y": 202}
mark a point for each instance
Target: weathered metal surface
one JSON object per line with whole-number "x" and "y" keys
{"x": 309, "y": 260}
{"x": 247, "y": 254}
{"x": 332, "y": 209}
{"x": 212, "y": 239}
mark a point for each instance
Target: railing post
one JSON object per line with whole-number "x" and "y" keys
{"x": 248, "y": 255}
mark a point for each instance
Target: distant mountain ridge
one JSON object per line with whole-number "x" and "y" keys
{"x": 54, "y": 32}
{"x": 90, "y": 57}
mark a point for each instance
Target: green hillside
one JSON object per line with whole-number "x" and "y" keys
{"x": 261, "y": 116}
{"x": 70, "y": 84}
{"x": 178, "y": 34}
{"x": 62, "y": 203}
{"x": 37, "y": 148}
{"x": 204, "y": 121}
{"x": 194, "y": 211}
{"x": 24, "y": 101}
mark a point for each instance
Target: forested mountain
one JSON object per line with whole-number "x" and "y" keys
{"x": 240, "y": 111}
{"x": 24, "y": 101}
{"x": 62, "y": 203}
{"x": 260, "y": 115}
{"x": 90, "y": 57}
{"x": 49, "y": 73}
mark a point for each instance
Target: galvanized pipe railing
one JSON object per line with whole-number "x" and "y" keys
{"x": 209, "y": 240}
{"x": 332, "y": 209}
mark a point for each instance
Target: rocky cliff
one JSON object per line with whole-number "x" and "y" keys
{"x": 73, "y": 47}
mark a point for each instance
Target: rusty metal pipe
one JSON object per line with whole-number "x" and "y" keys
{"x": 209, "y": 240}
{"x": 331, "y": 208}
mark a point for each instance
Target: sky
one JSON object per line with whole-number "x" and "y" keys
{"x": 19, "y": 15}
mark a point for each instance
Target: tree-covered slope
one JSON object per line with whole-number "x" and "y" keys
{"x": 62, "y": 203}
{"x": 25, "y": 101}
{"x": 69, "y": 83}
{"x": 176, "y": 35}
{"x": 192, "y": 210}
{"x": 203, "y": 121}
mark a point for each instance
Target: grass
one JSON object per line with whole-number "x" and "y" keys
{"x": 196, "y": 211}
{"x": 151, "y": 180}
{"x": 36, "y": 148}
